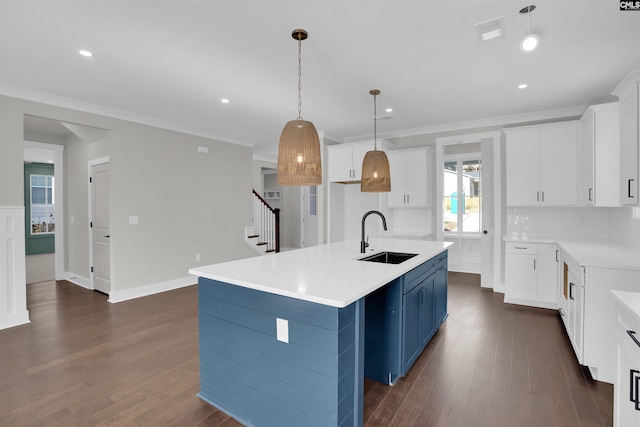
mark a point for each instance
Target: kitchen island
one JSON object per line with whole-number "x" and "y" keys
{"x": 286, "y": 339}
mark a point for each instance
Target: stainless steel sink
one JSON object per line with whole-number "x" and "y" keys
{"x": 388, "y": 257}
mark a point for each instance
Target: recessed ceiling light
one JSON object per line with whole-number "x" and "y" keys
{"x": 224, "y": 101}
{"x": 522, "y": 86}
{"x": 530, "y": 41}
{"x": 388, "y": 110}
{"x": 85, "y": 53}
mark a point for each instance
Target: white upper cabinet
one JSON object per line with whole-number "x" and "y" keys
{"x": 627, "y": 92}
{"x": 409, "y": 178}
{"x": 542, "y": 165}
{"x": 345, "y": 161}
{"x": 599, "y": 165}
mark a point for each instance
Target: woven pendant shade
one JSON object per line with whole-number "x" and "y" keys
{"x": 299, "y": 154}
{"x": 299, "y": 160}
{"x": 376, "y": 176}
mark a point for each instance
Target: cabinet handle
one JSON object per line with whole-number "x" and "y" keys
{"x": 571, "y": 285}
{"x": 534, "y": 263}
{"x": 629, "y": 181}
{"x": 634, "y": 387}
{"x": 520, "y": 247}
{"x": 591, "y": 194}
{"x": 537, "y": 196}
{"x": 557, "y": 252}
{"x": 543, "y": 196}
{"x": 632, "y": 334}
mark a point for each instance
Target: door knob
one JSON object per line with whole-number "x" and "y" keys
{"x": 484, "y": 231}
{"x": 108, "y": 235}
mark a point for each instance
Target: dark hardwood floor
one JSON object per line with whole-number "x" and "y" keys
{"x": 83, "y": 361}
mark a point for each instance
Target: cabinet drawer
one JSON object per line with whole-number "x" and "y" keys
{"x": 520, "y": 248}
{"x": 416, "y": 276}
{"x": 441, "y": 258}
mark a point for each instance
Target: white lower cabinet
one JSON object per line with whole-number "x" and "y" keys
{"x": 626, "y": 391}
{"x": 531, "y": 274}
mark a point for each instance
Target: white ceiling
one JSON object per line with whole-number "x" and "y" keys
{"x": 169, "y": 63}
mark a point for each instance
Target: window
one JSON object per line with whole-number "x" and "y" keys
{"x": 313, "y": 200}
{"x": 42, "y": 197}
{"x": 462, "y": 196}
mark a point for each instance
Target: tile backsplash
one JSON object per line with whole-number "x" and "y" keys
{"x": 624, "y": 225}
{"x": 619, "y": 224}
{"x": 558, "y": 222}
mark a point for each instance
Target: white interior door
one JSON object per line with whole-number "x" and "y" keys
{"x": 100, "y": 235}
{"x": 309, "y": 216}
{"x": 486, "y": 214}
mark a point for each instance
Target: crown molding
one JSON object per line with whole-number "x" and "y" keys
{"x": 481, "y": 123}
{"x": 59, "y": 101}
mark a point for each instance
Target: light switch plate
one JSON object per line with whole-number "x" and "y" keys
{"x": 133, "y": 220}
{"x": 282, "y": 330}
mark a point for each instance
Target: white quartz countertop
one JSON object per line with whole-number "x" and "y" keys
{"x": 326, "y": 274}
{"x": 599, "y": 253}
{"x": 631, "y": 300}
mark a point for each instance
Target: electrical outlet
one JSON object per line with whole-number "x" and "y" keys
{"x": 282, "y": 330}
{"x": 197, "y": 257}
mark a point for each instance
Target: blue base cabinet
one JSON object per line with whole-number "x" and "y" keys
{"x": 402, "y": 317}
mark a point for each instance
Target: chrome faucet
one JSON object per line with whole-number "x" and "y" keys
{"x": 363, "y": 243}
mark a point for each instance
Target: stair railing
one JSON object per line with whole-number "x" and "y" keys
{"x": 266, "y": 221}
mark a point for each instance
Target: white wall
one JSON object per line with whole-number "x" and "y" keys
{"x": 187, "y": 202}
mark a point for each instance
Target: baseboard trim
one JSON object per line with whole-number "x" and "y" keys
{"x": 155, "y": 288}
{"x": 76, "y": 279}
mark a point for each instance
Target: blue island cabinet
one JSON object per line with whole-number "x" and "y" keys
{"x": 402, "y": 317}
{"x": 316, "y": 379}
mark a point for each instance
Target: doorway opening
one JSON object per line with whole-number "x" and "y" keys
{"x": 468, "y": 204}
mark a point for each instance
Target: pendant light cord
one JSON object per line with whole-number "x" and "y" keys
{"x": 375, "y": 124}
{"x": 299, "y": 76}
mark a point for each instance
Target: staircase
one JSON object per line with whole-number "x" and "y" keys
{"x": 264, "y": 236}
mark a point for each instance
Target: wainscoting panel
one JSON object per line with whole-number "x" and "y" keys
{"x": 13, "y": 292}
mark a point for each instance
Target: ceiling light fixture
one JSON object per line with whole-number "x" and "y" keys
{"x": 85, "y": 53}
{"x": 225, "y": 100}
{"x": 299, "y": 160}
{"x": 522, "y": 86}
{"x": 376, "y": 177}
{"x": 529, "y": 42}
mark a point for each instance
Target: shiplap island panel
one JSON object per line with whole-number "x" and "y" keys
{"x": 316, "y": 378}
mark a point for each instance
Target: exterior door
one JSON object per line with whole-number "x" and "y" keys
{"x": 100, "y": 235}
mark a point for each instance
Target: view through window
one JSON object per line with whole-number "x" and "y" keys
{"x": 462, "y": 196}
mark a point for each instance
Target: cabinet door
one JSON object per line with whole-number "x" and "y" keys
{"x": 398, "y": 168}
{"x": 416, "y": 179}
{"x": 340, "y": 166}
{"x": 627, "y": 386}
{"x": 358, "y": 156}
{"x": 576, "y": 315}
{"x": 586, "y": 185}
{"x": 629, "y": 118}
{"x": 440, "y": 296}
{"x": 520, "y": 277}
{"x": 523, "y": 168}
{"x": 411, "y": 325}
{"x": 427, "y": 319}
{"x": 559, "y": 166}
{"x": 547, "y": 269}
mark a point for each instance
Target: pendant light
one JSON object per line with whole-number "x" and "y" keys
{"x": 530, "y": 42}
{"x": 299, "y": 149}
{"x": 376, "y": 177}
